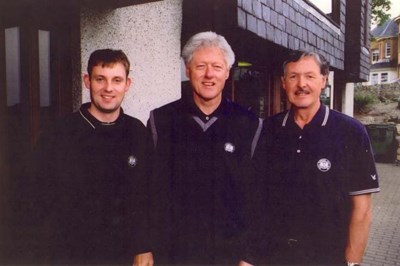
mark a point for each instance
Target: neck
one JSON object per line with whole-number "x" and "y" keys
{"x": 104, "y": 117}
{"x": 303, "y": 116}
{"x": 207, "y": 106}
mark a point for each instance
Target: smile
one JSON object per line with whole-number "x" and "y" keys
{"x": 301, "y": 92}
{"x": 107, "y": 97}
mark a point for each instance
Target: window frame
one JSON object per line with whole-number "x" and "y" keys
{"x": 375, "y": 55}
{"x": 388, "y": 49}
{"x": 384, "y": 77}
{"x": 334, "y": 16}
{"x": 374, "y": 78}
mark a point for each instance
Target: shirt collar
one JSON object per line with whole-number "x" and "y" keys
{"x": 93, "y": 121}
{"x": 195, "y": 111}
{"x": 320, "y": 118}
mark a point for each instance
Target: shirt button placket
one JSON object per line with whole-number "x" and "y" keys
{"x": 299, "y": 144}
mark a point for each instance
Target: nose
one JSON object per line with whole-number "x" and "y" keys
{"x": 301, "y": 81}
{"x": 209, "y": 72}
{"x": 109, "y": 86}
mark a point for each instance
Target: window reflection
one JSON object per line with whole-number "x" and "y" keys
{"x": 13, "y": 66}
{"x": 44, "y": 68}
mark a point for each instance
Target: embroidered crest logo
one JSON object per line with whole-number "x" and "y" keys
{"x": 324, "y": 165}
{"x": 229, "y": 147}
{"x": 132, "y": 161}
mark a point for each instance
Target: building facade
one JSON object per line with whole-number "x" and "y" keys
{"x": 45, "y": 45}
{"x": 385, "y": 53}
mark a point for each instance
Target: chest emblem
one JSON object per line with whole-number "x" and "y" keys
{"x": 324, "y": 165}
{"x": 229, "y": 147}
{"x": 132, "y": 161}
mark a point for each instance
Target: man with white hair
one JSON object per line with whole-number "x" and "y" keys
{"x": 201, "y": 144}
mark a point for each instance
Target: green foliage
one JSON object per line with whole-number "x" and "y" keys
{"x": 380, "y": 10}
{"x": 363, "y": 100}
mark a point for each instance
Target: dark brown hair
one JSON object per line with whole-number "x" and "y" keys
{"x": 107, "y": 57}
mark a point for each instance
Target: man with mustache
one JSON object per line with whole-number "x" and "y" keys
{"x": 318, "y": 173}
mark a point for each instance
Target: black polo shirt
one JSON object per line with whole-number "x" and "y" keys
{"x": 198, "y": 177}
{"x": 91, "y": 185}
{"x": 310, "y": 175}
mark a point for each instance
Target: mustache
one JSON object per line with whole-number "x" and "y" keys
{"x": 301, "y": 90}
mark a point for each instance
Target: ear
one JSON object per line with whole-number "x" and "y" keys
{"x": 86, "y": 80}
{"x": 325, "y": 81}
{"x": 227, "y": 73}
{"x": 187, "y": 71}
{"x": 128, "y": 84}
{"x": 283, "y": 82}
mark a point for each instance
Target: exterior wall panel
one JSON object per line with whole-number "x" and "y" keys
{"x": 295, "y": 25}
{"x": 150, "y": 35}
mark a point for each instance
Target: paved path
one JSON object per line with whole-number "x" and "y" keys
{"x": 384, "y": 242}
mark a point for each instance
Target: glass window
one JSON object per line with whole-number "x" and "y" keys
{"x": 13, "y": 66}
{"x": 384, "y": 77}
{"x": 388, "y": 49}
{"x": 44, "y": 68}
{"x": 375, "y": 55}
{"x": 374, "y": 78}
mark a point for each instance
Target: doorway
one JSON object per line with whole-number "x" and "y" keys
{"x": 38, "y": 42}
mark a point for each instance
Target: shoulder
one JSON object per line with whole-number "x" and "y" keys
{"x": 345, "y": 122}
{"x": 133, "y": 122}
{"x": 275, "y": 120}
{"x": 241, "y": 114}
{"x": 163, "y": 116}
{"x": 66, "y": 124}
{"x": 168, "y": 108}
{"x": 59, "y": 130}
{"x": 278, "y": 117}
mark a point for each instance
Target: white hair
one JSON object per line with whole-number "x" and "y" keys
{"x": 207, "y": 39}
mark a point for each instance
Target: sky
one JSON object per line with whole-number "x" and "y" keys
{"x": 395, "y": 8}
{"x": 394, "y": 11}
{"x": 326, "y": 7}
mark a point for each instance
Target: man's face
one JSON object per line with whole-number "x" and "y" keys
{"x": 108, "y": 86}
{"x": 303, "y": 83}
{"x": 207, "y": 72}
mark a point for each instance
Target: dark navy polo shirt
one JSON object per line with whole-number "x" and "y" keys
{"x": 198, "y": 177}
{"x": 312, "y": 172}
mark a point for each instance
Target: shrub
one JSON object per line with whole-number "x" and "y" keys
{"x": 362, "y": 100}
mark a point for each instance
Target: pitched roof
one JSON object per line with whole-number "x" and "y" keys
{"x": 385, "y": 64}
{"x": 388, "y": 29}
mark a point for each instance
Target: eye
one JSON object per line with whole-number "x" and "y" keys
{"x": 99, "y": 79}
{"x": 218, "y": 67}
{"x": 200, "y": 67}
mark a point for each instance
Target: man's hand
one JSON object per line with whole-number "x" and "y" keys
{"x": 243, "y": 263}
{"x": 143, "y": 259}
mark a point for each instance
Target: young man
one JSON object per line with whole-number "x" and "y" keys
{"x": 91, "y": 174}
{"x": 319, "y": 173}
{"x": 201, "y": 144}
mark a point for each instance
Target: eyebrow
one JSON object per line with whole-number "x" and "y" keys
{"x": 305, "y": 73}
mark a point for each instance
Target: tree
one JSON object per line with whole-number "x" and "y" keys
{"x": 379, "y": 11}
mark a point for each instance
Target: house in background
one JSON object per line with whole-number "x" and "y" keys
{"x": 45, "y": 45}
{"x": 384, "y": 51}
